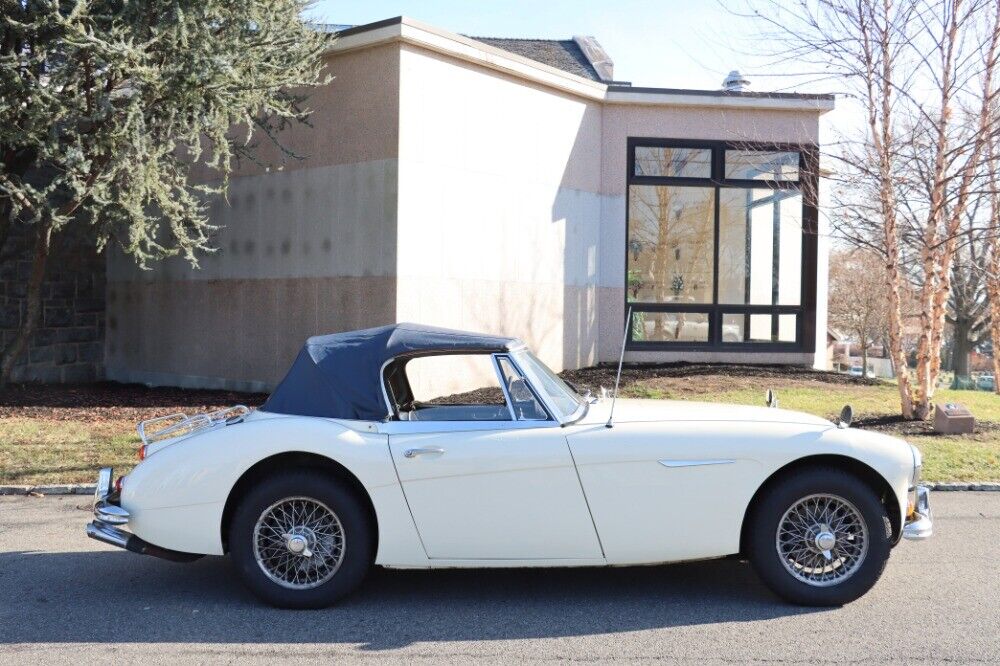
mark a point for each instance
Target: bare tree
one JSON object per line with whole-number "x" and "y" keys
{"x": 993, "y": 255}
{"x": 857, "y": 303}
{"x": 968, "y": 307}
{"x": 922, "y": 74}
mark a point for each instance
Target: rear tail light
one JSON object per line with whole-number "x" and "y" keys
{"x": 142, "y": 452}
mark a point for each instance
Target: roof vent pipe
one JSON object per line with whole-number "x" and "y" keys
{"x": 735, "y": 82}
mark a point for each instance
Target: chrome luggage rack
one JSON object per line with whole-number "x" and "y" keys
{"x": 180, "y": 424}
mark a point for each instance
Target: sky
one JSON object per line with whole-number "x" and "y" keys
{"x": 660, "y": 43}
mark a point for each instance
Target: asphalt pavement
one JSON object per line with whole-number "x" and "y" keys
{"x": 67, "y": 599}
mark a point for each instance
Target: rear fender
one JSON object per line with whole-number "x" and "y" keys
{"x": 176, "y": 497}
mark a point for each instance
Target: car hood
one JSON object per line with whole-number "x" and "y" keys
{"x": 637, "y": 411}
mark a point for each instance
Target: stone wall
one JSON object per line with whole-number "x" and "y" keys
{"x": 68, "y": 345}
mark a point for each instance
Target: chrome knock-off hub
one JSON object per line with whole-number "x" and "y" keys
{"x": 297, "y": 544}
{"x": 825, "y": 540}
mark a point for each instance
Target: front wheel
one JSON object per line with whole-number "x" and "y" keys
{"x": 301, "y": 539}
{"x": 819, "y": 538}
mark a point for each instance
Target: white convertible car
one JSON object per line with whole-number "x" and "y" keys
{"x": 343, "y": 467}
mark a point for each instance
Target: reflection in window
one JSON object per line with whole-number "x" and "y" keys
{"x": 669, "y": 327}
{"x": 671, "y": 244}
{"x": 759, "y": 327}
{"x": 760, "y": 246}
{"x": 762, "y": 165}
{"x": 673, "y": 162}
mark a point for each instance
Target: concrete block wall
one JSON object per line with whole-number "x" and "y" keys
{"x": 68, "y": 345}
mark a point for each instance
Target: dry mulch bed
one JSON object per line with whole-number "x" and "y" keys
{"x": 109, "y": 401}
{"x": 711, "y": 376}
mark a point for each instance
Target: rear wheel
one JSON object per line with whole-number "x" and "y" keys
{"x": 820, "y": 538}
{"x": 301, "y": 539}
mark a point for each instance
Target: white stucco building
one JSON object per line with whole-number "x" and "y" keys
{"x": 505, "y": 186}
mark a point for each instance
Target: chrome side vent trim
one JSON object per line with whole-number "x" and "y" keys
{"x": 694, "y": 463}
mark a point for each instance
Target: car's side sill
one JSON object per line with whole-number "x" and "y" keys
{"x": 500, "y": 564}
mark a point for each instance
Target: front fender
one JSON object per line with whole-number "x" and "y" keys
{"x": 176, "y": 497}
{"x": 890, "y": 457}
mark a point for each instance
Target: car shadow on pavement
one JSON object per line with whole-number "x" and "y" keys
{"x": 110, "y": 596}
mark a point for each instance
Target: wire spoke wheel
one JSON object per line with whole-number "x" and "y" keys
{"x": 298, "y": 543}
{"x": 822, "y": 540}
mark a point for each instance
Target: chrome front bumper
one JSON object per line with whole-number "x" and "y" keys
{"x": 108, "y": 516}
{"x": 920, "y": 524}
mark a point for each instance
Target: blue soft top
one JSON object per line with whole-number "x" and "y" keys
{"x": 338, "y": 375}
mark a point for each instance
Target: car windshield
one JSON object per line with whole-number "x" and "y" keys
{"x": 557, "y": 392}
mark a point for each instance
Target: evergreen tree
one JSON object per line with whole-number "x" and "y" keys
{"x": 105, "y": 106}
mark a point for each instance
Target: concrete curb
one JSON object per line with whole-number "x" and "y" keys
{"x": 990, "y": 486}
{"x": 84, "y": 489}
{"x": 67, "y": 489}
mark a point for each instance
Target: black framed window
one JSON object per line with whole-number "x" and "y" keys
{"x": 721, "y": 245}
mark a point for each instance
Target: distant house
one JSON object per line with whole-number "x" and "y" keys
{"x": 503, "y": 185}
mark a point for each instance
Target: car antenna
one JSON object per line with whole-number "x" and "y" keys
{"x": 618, "y": 377}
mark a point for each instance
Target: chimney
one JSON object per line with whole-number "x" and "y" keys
{"x": 597, "y": 56}
{"x": 735, "y": 82}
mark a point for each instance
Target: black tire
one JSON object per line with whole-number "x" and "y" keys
{"x": 358, "y": 538}
{"x": 771, "y": 507}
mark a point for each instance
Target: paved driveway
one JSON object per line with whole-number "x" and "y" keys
{"x": 64, "y": 598}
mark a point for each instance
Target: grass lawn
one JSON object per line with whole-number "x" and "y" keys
{"x": 35, "y": 451}
{"x": 52, "y": 434}
{"x": 63, "y": 434}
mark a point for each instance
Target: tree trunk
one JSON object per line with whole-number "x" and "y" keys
{"x": 961, "y": 349}
{"x": 864, "y": 360}
{"x": 994, "y": 294}
{"x": 33, "y": 299}
{"x": 896, "y": 352}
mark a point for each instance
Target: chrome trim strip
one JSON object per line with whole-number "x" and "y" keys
{"x": 415, "y": 427}
{"x": 694, "y": 463}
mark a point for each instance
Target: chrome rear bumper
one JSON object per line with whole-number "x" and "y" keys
{"x": 920, "y": 525}
{"x": 108, "y": 515}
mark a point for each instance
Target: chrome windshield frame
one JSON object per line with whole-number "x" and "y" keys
{"x": 527, "y": 369}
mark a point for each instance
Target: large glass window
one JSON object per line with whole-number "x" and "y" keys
{"x": 673, "y": 162}
{"x": 670, "y": 326}
{"x": 762, "y": 165}
{"x": 671, "y": 243}
{"x": 715, "y": 245}
{"x": 760, "y": 246}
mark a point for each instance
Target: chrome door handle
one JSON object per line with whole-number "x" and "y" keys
{"x": 430, "y": 450}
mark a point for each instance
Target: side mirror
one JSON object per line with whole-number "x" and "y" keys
{"x": 846, "y": 416}
{"x": 519, "y": 391}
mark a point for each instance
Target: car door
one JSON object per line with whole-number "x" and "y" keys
{"x": 494, "y": 490}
